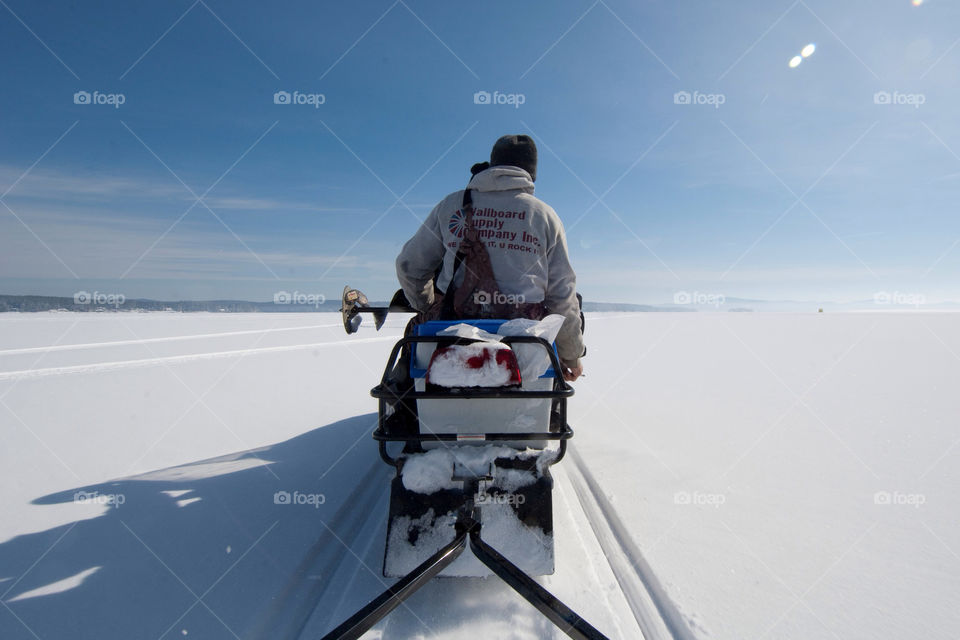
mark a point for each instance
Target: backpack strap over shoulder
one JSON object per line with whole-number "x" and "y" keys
{"x": 466, "y": 206}
{"x": 478, "y": 295}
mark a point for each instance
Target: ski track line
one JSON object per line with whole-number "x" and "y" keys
{"x": 634, "y": 592}
{"x": 584, "y": 536}
{"x": 368, "y": 542}
{"x": 656, "y": 614}
{"x": 121, "y": 343}
{"x": 149, "y": 362}
{"x": 306, "y": 588}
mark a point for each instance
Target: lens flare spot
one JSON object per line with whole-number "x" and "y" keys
{"x": 795, "y": 62}
{"x": 917, "y": 3}
{"x": 808, "y": 50}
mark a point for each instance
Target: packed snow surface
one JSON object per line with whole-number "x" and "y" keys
{"x": 531, "y": 548}
{"x": 474, "y": 365}
{"x": 212, "y": 475}
{"x": 533, "y": 359}
{"x": 435, "y": 470}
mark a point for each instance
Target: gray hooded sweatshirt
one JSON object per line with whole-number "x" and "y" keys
{"x": 525, "y": 240}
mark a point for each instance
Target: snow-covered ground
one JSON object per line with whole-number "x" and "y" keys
{"x": 764, "y": 475}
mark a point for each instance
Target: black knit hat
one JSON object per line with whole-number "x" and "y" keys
{"x": 516, "y": 151}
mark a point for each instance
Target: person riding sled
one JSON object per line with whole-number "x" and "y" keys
{"x": 490, "y": 252}
{"x": 494, "y": 250}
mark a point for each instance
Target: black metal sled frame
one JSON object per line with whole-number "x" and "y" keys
{"x": 467, "y": 529}
{"x": 385, "y": 394}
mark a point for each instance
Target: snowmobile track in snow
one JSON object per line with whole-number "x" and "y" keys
{"x": 309, "y": 585}
{"x": 124, "y": 343}
{"x": 653, "y": 610}
{"x": 298, "y": 605}
{"x": 193, "y": 357}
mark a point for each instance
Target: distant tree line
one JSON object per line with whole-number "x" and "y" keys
{"x": 26, "y": 304}
{"x": 102, "y": 304}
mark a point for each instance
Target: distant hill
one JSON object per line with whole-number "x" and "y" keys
{"x": 893, "y": 301}
{"x": 623, "y": 306}
{"x": 94, "y": 302}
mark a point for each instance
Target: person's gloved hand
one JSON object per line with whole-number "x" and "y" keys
{"x": 572, "y": 372}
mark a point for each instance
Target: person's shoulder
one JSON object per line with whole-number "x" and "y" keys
{"x": 454, "y": 196}
{"x": 541, "y": 208}
{"x": 450, "y": 200}
{"x": 535, "y": 202}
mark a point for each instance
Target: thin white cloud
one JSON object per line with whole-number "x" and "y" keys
{"x": 51, "y": 184}
{"x": 268, "y": 204}
{"x": 99, "y": 245}
{"x": 111, "y": 191}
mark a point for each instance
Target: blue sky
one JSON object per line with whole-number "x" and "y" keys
{"x": 798, "y": 186}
